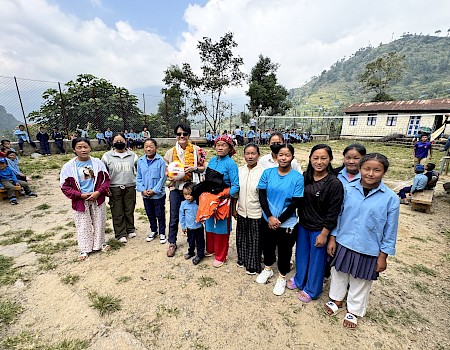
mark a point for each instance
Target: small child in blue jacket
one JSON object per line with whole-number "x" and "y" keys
{"x": 419, "y": 183}
{"x": 8, "y": 180}
{"x": 195, "y": 231}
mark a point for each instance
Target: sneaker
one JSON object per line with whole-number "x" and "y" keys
{"x": 264, "y": 276}
{"x": 207, "y": 255}
{"x": 31, "y": 194}
{"x": 172, "y": 249}
{"x": 187, "y": 256}
{"x": 196, "y": 260}
{"x": 217, "y": 263}
{"x": 250, "y": 272}
{"x": 150, "y": 236}
{"x": 280, "y": 286}
{"x": 240, "y": 264}
{"x": 123, "y": 239}
{"x": 131, "y": 234}
{"x": 162, "y": 239}
{"x": 13, "y": 202}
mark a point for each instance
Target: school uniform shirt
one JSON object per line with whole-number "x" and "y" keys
{"x": 419, "y": 183}
{"x": 21, "y": 135}
{"x": 7, "y": 174}
{"x": 70, "y": 184}
{"x": 267, "y": 162}
{"x": 108, "y": 134}
{"x": 151, "y": 175}
{"x": 121, "y": 167}
{"x": 188, "y": 212}
{"x": 248, "y": 205}
{"x": 368, "y": 224}
{"x": 280, "y": 191}
{"x": 421, "y": 149}
{"x": 344, "y": 176}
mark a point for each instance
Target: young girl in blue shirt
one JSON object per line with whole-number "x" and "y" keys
{"x": 365, "y": 235}
{"x": 349, "y": 171}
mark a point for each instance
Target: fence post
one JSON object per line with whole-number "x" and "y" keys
{"x": 63, "y": 110}
{"x": 122, "y": 111}
{"x": 21, "y": 106}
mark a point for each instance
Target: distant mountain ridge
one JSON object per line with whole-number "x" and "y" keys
{"x": 7, "y": 120}
{"x": 427, "y": 76}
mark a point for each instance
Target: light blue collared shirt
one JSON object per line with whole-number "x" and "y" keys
{"x": 343, "y": 176}
{"x": 188, "y": 213}
{"x": 368, "y": 225}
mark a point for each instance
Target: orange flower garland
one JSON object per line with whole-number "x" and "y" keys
{"x": 188, "y": 159}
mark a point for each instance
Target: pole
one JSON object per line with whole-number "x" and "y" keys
{"x": 122, "y": 111}
{"x": 63, "y": 110}
{"x": 21, "y": 106}
{"x": 145, "y": 115}
{"x": 167, "y": 112}
{"x": 231, "y": 114}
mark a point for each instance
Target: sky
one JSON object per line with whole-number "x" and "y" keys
{"x": 132, "y": 42}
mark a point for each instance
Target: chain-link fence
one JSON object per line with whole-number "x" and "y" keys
{"x": 86, "y": 103}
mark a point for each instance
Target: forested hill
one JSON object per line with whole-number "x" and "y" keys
{"x": 7, "y": 120}
{"x": 427, "y": 75}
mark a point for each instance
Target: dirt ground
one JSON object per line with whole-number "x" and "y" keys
{"x": 170, "y": 303}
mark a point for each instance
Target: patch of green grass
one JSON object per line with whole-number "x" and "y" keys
{"x": 104, "y": 304}
{"x": 109, "y": 230}
{"x": 35, "y": 177}
{"x": 16, "y": 236}
{"x": 197, "y": 345}
{"x": 23, "y": 340}
{"x": 123, "y": 279}
{"x": 43, "y": 206}
{"x": 41, "y": 237}
{"x": 8, "y": 311}
{"x": 417, "y": 269}
{"x": 62, "y": 211}
{"x": 72, "y": 344}
{"x": 114, "y": 244}
{"x": 70, "y": 279}
{"x": 8, "y": 273}
{"x": 71, "y": 224}
{"x": 38, "y": 215}
{"x": 11, "y": 240}
{"x": 46, "y": 262}
{"x": 140, "y": 211}
{"x": 404, "y": 316}
{"x": 169, "y": 276}
{"x": 421, "y": 287}
{"x": 143, "y": 218}
{"x": 418, "y": 238}
{"x": 51, "y": 248}
{"x": 206, "y": 281}
{"x": 67, "y": 235}
{"x": 165, "y": 310}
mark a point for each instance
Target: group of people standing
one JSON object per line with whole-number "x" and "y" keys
{"x": 343, "y": 221}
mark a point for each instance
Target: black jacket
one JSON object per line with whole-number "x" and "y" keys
{"x": 319, "y": 209}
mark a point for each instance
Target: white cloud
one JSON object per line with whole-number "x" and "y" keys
{"x": 305, "y": 37}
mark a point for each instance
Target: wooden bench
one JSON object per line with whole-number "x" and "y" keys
{"x": 422, "y": 200}
{"x": 4, "y": 194}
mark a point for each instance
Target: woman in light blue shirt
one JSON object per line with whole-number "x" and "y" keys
{"x": 349, "y": 171}
{"x": 365, "y": 235}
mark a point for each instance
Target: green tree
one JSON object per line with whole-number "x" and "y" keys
{"x": 92, "y": 100}
{"x": 265, "y": 94}
{"x": 381, "y": 73}
{"x": 220, "y": 70}
{"x": 171, "y": 111}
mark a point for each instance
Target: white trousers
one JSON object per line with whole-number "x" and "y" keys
{"x": 90, "y": 226}
{"x": 358, "y": 291}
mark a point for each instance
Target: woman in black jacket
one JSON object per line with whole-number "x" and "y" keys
{"x": 318, "y": 213}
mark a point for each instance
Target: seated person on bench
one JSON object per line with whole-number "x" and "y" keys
{"x": 419, "y": 183}
{"x": 8, "y": 180}
{"x": 432, "y": 175}
{"x": 13, "y": 163}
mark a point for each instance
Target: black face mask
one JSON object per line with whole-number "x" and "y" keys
{"x": 275, "y": 148}
{"x": 119, "y": 145}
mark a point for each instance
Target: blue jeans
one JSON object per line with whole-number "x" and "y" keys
{"x": 156, "y": 213}
{"x": 402, "y": 193}
{"x": 175, "y": 199}
{"x": 310, "y": 263}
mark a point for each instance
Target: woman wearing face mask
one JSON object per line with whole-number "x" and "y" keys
{"x": 270, "y": 160}
{"x": 121, "y": 164}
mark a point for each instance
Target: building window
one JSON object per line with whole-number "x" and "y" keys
{"x": 353, "y": 121}
{"x": 371, "y": 121}
{"x": 391, "y": 121}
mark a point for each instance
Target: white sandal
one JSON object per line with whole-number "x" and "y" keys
{"x": 82, "y": 256}
{"x": 352, "y": 319}
{"x": 333, "y": 307}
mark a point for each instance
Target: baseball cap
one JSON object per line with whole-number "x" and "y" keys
{"x": 419, "y": 167}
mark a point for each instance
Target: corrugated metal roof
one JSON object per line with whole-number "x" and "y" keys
{"x": 434, "y": 105}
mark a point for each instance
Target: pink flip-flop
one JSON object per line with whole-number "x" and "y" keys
{"x": 304, "y": 297}
{"x": 291, "y": 283}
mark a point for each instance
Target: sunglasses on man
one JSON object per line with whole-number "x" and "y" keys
{"x": 182, "y": 134}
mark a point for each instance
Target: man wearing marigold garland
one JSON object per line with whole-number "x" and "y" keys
{"x": 193, "y": 158}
